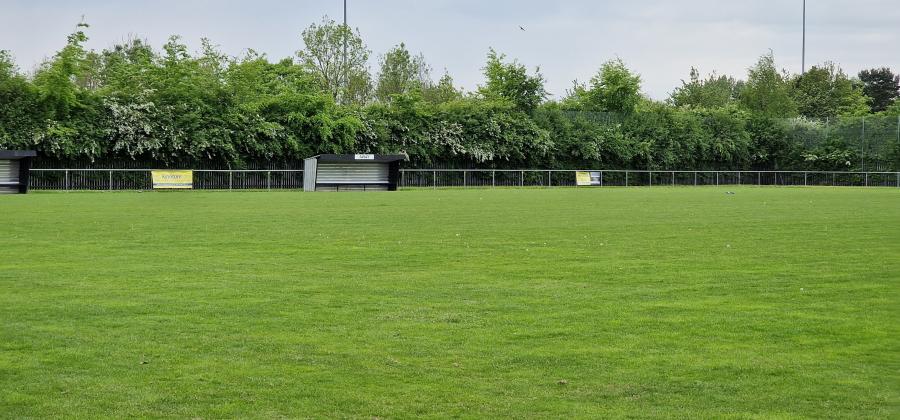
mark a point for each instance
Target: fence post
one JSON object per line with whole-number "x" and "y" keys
{"x": 739, "y": 179}
{"x": 493, "y": 179}
{"x": 673, "y": 178}
{"x": 759, "y": 179}
{"x": 805, "y": 183}
{"x": 651, "y": 178}
{"x": 230, "y": 179}
{"x": 601, "y": 179}
{"x": 717, "y": 179}
{"x": 67, "y": 180}
{"x": 110, "y": 180}
{"x": 549, "y": 179}
{"x": 522, "y": 179}
{"x": 269, "y": 180}
{"x": 434, "y": 180}
{"x": 867, "y": 179}
{"x": 695, "y": 178}
{"x": 464, "y": 179}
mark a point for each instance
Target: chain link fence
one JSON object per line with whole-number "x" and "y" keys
{"x": 873, "y": 141}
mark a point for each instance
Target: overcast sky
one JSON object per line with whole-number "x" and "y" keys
{"x": 568, "y": 39}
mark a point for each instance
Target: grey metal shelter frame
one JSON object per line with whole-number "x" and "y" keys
{"x": 15, "y": 166}
{"x": 361, "y": 172}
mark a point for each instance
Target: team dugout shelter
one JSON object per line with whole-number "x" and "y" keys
{"x": 359, "y": 172}
{"x": 14, "y": 168}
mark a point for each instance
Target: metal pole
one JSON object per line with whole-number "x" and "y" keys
{"x": 434, "y": 181}
{"x": 759, "y": 179}
{"x": 493, "y": 179}
{"x": 464, "y": 179}
{"x": 867, "y": 179}
{"x": 549, "y": 179}
{"x": 695, "y": 179}
{"x": 522, "y": 179}
{"x": 67, "y": 180}
{"x": 230, "y": 179}
{"x": 805, "y": 183}
{"x": 601, "y": 179}
{"x": 803, "y": 60}
{"x": 269, "y": 180}
{"x": 673, "y": 178}
{"x": 110, "y": 180}
{"x": 346, "y": 34}
{"x": 651, "y": 178}
{"x": 717, "y": 179}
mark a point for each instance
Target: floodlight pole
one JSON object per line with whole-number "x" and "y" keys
{"x": 346, "y": 29}
{"x": 803, "y": 59}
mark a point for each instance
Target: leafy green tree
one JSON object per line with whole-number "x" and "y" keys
{"x": 21, "y": 112}
{"x": 882, "y": 86}
{"x": 510, "y": 81}
{"x": 442, "y": 92}
{"x": 489, "y": 132}
{"x": 614, "y": 89}
{"x": 175, "y": 107}
{"x": 400, "y": 73}
{"x": 826, "y": 92}
{"x": 55, "y": 78}
{"x": 254, "y": 78}
{"x": 768, "y": 91}
{"x": 345, "y": 77}
{"x": 893, "y": 110}
{"x": 715, "y": 91}
{"x": 126, "y": 68}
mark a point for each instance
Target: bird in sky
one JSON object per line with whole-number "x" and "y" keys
{"x": 523, "y": 29}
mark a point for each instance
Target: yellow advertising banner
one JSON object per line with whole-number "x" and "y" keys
{"x": 589, "y": 179}
{"x": 583, "y": 179}
{"x": 173, "y": 180}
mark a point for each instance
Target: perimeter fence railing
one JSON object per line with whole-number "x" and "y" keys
{"x": 141, "y": 179}
{"x": 498, "y": 178}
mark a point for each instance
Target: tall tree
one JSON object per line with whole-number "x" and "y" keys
{"x": 442, "y": 92}
{"x": 401, "y": 72}
{"x": 20, "y": 109}
{"x": 510, "y": 81}
{"x": 882, "y": 86}
{"x": 614, "y": 89}
{"x": 825, "y": 91}
{"x": 767, "y": 91}
{"x": 56, "y": 77}
{"x": 715, "y": 91}
{"x": 347, "y": 78}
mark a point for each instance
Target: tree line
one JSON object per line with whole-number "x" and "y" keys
{"x": 134, "y": 103}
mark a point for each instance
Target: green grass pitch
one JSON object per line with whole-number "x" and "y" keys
{"x": 663, "y": 302}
